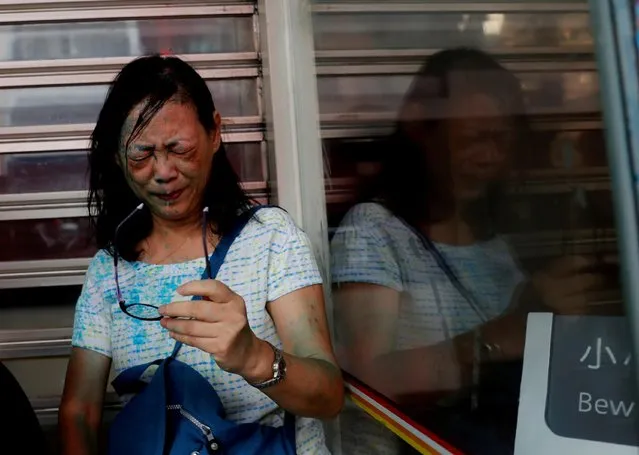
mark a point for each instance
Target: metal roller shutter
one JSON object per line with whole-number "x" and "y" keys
{"x": 56, "y": 61}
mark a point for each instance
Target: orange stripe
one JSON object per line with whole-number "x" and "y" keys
{"x": 370, "y": 396}
{"x": 397, "y": 429}
{"x": 393, "y": 426}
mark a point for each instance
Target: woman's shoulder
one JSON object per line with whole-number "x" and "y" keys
{"x": 368, "y": 216}
{"x": 274, "y": 229}
{"x": 271, "y": 219}
{"x": 99, "y": 271}
{"x": 371, "y": 212}
{"x": 101, "y": 264}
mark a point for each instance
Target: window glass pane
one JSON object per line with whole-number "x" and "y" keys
{"x": 589, "y": 153}
{"x": 82, "y": 104}
{"x": 403, "y": 31}
{"x": 354, "y": 157}
{"x": 26, "y": 240}
{"x": 545, "y": 93}
{"x": 128, "y": 38}
{"x": 561, "y": 92}
{"x": 67, "y": 171}
{"x": 351, "y": 94}
{"x": 461, "y": 201}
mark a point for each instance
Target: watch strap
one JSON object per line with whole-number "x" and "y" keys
{"x": 279, "y": 370}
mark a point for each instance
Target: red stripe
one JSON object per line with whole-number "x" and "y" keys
{"x": 394, "y": 427}
{"x": 387, "y": 405}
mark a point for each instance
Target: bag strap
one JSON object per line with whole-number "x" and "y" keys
{"x": 217, "y": 258}
{"x": 429, "y": 246}
{"x": 452, "y": 277}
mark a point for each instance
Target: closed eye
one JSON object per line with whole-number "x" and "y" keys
{"x": 140, "y": 152}
{"x": 180, "y": 150}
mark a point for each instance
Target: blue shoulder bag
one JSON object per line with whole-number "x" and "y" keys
{"x": 177, "y": 411}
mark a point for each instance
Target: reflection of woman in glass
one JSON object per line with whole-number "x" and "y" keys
{"x": 426, "y": 289}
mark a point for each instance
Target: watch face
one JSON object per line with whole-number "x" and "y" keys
{"x": 279, "y": 367}
{"x": 279, "y": 371}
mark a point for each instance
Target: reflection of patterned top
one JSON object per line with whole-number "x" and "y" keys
{"x": 373, "y": 246}
{"x": 269, "y": 259}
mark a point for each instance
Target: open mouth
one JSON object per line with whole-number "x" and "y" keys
{"x": 170, "y": 196}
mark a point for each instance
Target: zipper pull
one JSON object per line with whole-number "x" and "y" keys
{"x": 211, "y": 443}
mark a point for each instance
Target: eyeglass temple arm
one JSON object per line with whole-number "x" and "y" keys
{"x": 115, "y": 249}
{"x": 205, "y": 213}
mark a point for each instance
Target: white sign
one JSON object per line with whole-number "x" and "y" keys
{"x": 578, "y": 390}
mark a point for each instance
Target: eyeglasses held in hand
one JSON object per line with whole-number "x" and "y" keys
{"x": 149, "y": 311}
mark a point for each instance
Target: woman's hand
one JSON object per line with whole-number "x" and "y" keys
{"x": 217, "y": 324}
{"x": 565, "y": 285}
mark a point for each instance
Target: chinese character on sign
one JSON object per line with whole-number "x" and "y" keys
{"x": 595, "y": 364}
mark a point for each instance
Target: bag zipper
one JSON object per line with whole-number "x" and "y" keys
{"x": 212, "y": 444}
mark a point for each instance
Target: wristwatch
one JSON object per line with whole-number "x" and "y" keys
{"x": 279, "y": 370}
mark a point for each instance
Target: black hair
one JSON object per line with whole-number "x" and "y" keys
{"x": 404, "y": 171}
{"x": 154, "y": 80}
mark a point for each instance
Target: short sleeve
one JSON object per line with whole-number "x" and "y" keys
{"x": 292, "y": 265}
{"x": 361, "y": 249}
{"x": 92, "y": 324}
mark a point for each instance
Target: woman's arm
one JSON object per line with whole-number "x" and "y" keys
{"x": 81, "y": 409}
{"x": 313, "y": 386}
{"x": 367, "y": 317}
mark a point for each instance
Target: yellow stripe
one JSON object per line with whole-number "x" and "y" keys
{"x": 396, "y": 428}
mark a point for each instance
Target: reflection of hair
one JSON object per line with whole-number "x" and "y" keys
{"x": 156, "y": 80}
{"x": 406, "y": 185}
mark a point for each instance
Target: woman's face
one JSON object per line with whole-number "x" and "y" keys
{"x": 479, "y": 139}
{"x": 168, "y": 164}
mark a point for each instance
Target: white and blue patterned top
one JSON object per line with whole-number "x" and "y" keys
{"x": 271, "y": 258}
